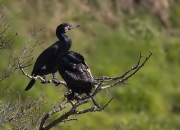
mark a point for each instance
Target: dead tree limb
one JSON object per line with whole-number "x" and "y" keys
{"x": 74, "y": 105}
{"x": 123, "y": 78}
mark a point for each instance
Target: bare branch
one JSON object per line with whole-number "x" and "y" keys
{"x": 123, "y": 79}
{"x": 55, "y": 110}
{"x": 6, "y": 111}
{"x": 25, "y": 58}
{"x": 6, "y": 45}
{"x": 93, "y": 109}
{"x": 74, "y": 105}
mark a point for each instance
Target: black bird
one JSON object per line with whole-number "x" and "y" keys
{"x": 77, "y": 75}
{"x": 46, "y": 63}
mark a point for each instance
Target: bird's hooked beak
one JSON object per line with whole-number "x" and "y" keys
{"x": 73, "y": 26}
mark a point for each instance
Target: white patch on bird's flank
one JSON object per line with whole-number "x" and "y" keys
{"x": 88, "y": 70}
{"x": 44, "y": 67}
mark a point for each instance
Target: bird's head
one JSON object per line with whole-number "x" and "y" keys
{"x": 64, "y": 27}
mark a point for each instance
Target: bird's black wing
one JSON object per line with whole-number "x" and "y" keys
{"x": 74, "y": 57}
{"x": 78, "y": 78}
{"x": 45, "y": 56}
{"x": 76, "y": 73}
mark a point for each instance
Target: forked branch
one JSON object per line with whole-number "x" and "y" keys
{"x": 74, "y": 105}
{"x": 122, "y": 79}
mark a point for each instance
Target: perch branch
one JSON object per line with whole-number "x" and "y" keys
{"x": 74, "y": 105}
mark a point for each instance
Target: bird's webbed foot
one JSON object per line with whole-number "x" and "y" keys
{"x": 56, "y": 81}
{"x": 69, "y": 94}
{"x": 45, "y": 80}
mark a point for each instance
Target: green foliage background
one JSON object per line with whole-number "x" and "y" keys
{"x": 110, "y": 42}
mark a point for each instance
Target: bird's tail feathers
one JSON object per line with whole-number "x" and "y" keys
{"x": 31, "y": 83}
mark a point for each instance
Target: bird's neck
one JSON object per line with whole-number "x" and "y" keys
{"x": 65, "y": 40}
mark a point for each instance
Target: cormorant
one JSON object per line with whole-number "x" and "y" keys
{"x": 46, "y": 63}
{"x": 77, "y": 75}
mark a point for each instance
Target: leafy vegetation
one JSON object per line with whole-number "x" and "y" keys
{"x": 110, "y": 43}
